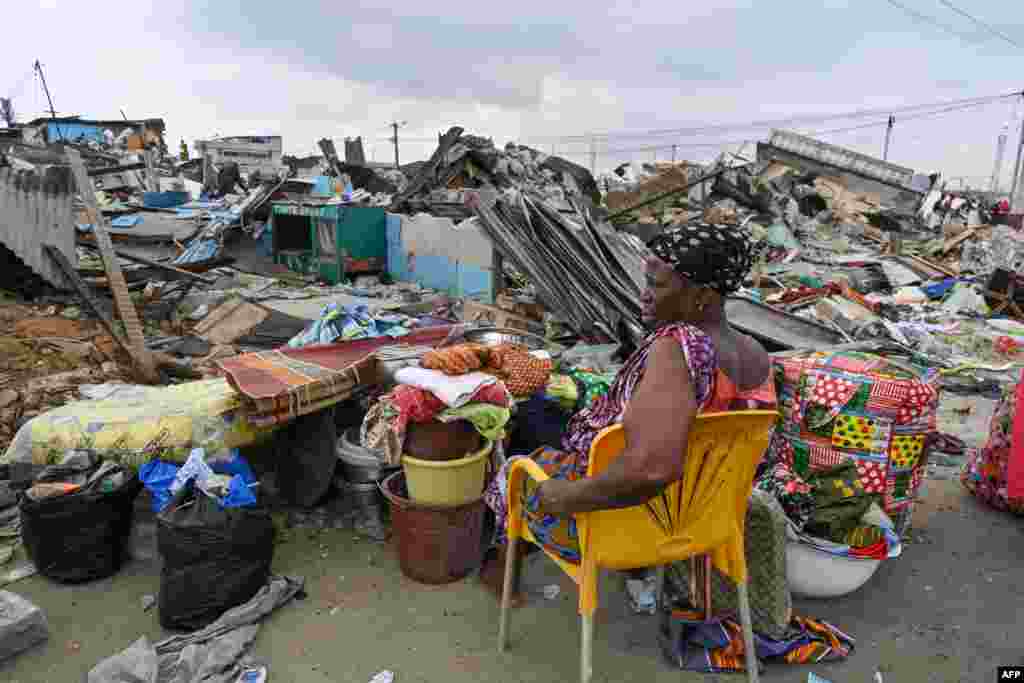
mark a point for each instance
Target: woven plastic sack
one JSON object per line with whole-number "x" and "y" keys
{"x": 847, "y": 405}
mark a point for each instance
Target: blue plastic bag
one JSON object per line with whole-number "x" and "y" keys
{"x": 157, "y": 476}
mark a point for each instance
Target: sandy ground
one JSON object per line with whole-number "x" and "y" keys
{"x": 948, "y": 610}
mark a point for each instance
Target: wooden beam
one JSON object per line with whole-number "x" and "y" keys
{"x": 168, "y": 268}
{"x": 118, "y": 287}
{"x": 87, "y": 296}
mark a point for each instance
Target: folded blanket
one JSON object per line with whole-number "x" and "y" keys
{"x": 455, "y": 391}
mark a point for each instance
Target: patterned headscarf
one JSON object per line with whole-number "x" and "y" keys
{"x": 717, "y": 256}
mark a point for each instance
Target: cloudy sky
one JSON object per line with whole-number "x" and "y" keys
{"x": 542, "y": 72}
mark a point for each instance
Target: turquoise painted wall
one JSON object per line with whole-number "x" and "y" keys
{"x": 436, "y": 254}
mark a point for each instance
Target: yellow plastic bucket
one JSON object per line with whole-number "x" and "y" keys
{"x": 447, "y": 482}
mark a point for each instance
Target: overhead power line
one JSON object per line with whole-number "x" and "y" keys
{"x": 932, "y": 21}
{"x": 813, "y": 133}
{"x": 776, "y": 123}
{"x": 991, "y": 29}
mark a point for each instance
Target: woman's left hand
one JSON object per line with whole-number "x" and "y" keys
{"x": 553, "y": 496}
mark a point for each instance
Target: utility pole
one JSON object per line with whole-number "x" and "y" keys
{"x": 394, "y": 139}
{"x": 888, "y": 137}
{"x": 674, "y": 153}
{"x": 997, "y": 170}
{"x": 53, "y": 114}
{"x": 593, "y": 156}
{"x": 1016, "y": 165}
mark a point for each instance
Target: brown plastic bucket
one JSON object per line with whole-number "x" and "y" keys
{"x": 435, "y": 544}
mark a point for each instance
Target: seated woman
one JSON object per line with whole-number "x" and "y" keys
{"x": 692, "y": 362}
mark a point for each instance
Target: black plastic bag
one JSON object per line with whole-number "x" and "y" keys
{"x": 80, "y": 536}
{"x": 213, "y": 558}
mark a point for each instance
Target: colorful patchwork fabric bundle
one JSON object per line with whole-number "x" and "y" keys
{"x": 716, "y": 646}
{"x": 995, "y": 474}
{"x": 848, "y": 406}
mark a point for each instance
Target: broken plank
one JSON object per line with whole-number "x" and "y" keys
{"x": 118, "y": 286}
{"x": 164, "y": 266}
{"x": 951, "y": 244}
{"x": 83, "y": 291}
{"x": 229, "y": 321}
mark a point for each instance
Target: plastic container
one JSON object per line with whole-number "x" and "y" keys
{"x": 435, "y": 544}
{"x": 365, "y": 496}
{"x": 447, "y": 482}
{"x": 814, "y": 573}
{"x": 357, "y": 463}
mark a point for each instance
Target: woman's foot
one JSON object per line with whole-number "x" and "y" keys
{"x": 492, "y": 576}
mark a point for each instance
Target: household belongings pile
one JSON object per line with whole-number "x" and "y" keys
{"x": 215, "y": 539}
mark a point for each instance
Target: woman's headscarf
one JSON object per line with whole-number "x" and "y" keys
{"x": 716, "y": 256}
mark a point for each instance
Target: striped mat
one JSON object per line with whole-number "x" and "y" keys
{"x": 285, "y": 383}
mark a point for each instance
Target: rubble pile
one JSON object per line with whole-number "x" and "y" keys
{"x": 466, "y": 165}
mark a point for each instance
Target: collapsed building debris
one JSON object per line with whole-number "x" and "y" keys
{"x": 469, "y": 164}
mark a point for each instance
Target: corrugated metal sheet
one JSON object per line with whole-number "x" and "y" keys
{"x": 31, "y": 217}
{"x": 842, "y": 158}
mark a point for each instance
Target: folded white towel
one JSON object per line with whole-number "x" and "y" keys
{"x": 454, "y": 390}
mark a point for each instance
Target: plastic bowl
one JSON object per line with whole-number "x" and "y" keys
{"x": 814, "y": 573}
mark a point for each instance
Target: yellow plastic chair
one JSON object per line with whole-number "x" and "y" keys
{"x": 702, "y": 514}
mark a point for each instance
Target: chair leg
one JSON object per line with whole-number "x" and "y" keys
{"x": 659, "y": 587}
{"x": 753, "y": 675}
{"x": 511, "y": 565}
{"x": 586, "y": 648}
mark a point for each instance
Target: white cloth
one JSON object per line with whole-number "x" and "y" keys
{"x": 453, "y": 390}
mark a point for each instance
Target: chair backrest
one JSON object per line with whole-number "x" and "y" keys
{"x": 700, "y": 514}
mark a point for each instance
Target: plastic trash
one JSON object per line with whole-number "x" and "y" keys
{"x": 230, "y": 481}
{"x": 383, "y": 677}
{"x": 22, "y": 625}
{"x": 642, "y": 594}
{"x": 254, "y": 675}
{"x": 965, "y": 299}
{"x": 157, "y": 476}
{"x": 551, "y": 591}
{"x": 814, "y": 678}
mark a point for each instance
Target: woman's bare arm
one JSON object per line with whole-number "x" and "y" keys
{"x": 657, "y": 423}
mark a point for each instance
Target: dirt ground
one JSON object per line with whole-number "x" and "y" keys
{"x": 947, "y": 611}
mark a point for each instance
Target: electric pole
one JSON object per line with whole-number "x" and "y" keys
{"x": 1016, "y": 165}
{"x": 53, "y": 114}
{"x": 674, "y": 153}
{"x": 593, "y": 156}
{"x": 888, "y": 137}
{"x": 394, "y": 139}
{"x": 993, "y": 185}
